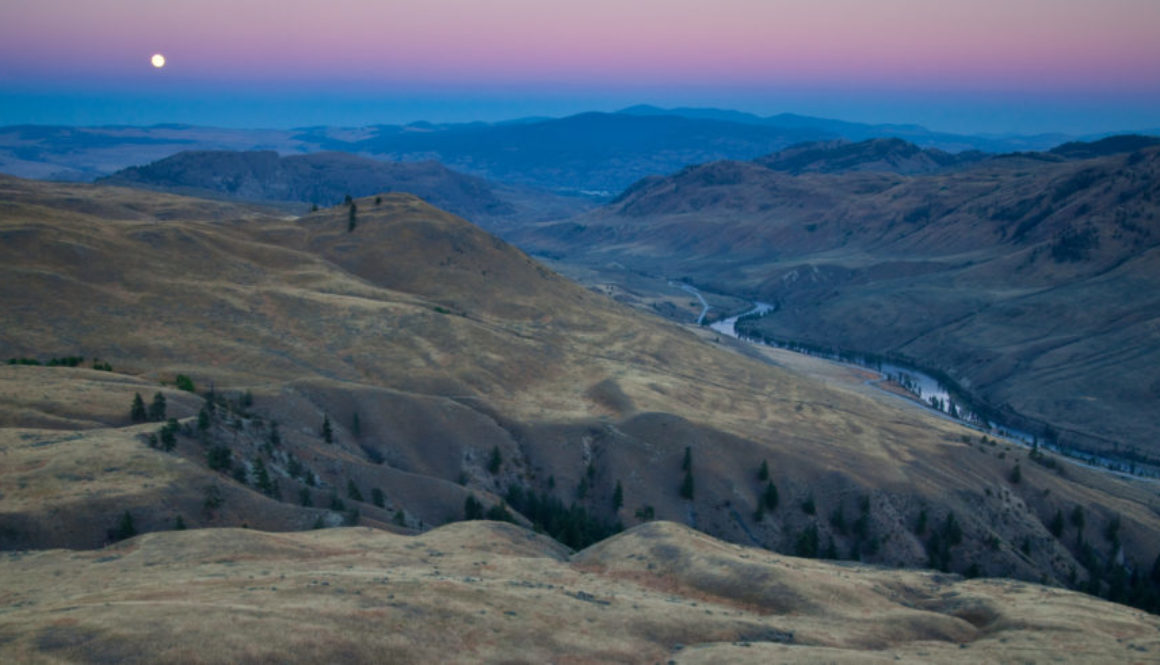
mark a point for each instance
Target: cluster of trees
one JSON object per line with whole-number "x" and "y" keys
{"x": 64, "y": 361}
{"x": 166, "y": 437}
{"x": 155, "y": 412}
{"x": 572, "y": 524}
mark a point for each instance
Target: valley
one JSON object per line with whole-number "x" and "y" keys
{"x": 1021, "y": 281}
{"x": 382, "y": 363}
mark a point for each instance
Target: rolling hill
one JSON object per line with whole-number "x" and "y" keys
{"x": 1028, "y": 278}
{"x": 492, "y": 592}
{"x": 325, "y": 178}
{"x": 393, "y": 366}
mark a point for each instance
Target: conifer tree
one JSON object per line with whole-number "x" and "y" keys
{"x": 327, "y": 432}
{"x": 769, "y": 497}
{"x": 137, "y": 412}
{"x": 352, "y": 491}
{"x": 157, "y": 408}
{"x": 687, "y": 486}
{"x": 617, "y": 496}
{"x": 763, "y": 472}
{"x": 495, "y": 461}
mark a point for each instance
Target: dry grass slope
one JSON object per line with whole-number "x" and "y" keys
{"x": 491, "y": 592}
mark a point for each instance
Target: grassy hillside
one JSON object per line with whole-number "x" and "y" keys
{"x": 490, "y": 592}
{"x": 408, "y": 370}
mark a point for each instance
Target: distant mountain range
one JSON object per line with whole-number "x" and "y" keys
{"x": 591, "y": 154}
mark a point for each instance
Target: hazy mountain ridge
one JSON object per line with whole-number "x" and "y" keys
{"x": 891, "y": 155}
{"x": 1023, "y": 276}
{"x": 595, "y": 154}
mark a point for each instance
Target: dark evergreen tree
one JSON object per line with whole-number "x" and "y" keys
{"x": 168, "y": 435}
{"x": 219, "y": 458}
{"x": 494, "y": 461}
{"x": 808, "y": 506}
{"x": 687, "y": 462}
{"x": 327, "y": 432}
{"x": 179, "y": 523}
{"x": 1112, "y": 531}
{"x": 157, "y": 408}
{"x": 472, "y": 508}
{"x": 352, "y": 491}
{"x": 125, "y": 527}
{"x": 262, "y": 480}
{"x": 807, "y": 542}
{"x": 304, "y": 497}
{"x": 137, "y": 412}
{"x": 377, "y": 497}
{"x": 769, "y": 498}
{"x": 203, "y": 420}
{"x": 183, "y": 382}
{"x": 351, "y": 218}
{"x": 1077, "y": 519}
{"x": 617, "y": 497}
{"x": 687, "y": 486}
{"x": 1056, "y": 526}
{"x": 355, "y": 425}
{"x": 763, "y": 471}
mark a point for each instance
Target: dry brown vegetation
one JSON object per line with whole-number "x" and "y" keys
{"x": 447, "y": 344}
{"x": 491, "y": 592}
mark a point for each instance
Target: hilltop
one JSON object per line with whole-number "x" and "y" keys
{"x": 493, "y": 592}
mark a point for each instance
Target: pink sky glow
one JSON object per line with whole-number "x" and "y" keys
{"x": 1077, "y": 49}
{"x": 1054, "y": 44}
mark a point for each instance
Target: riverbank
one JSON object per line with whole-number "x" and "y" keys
{"x": 922, "y": 387}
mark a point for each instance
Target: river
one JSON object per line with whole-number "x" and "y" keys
{"x": 926, "y": 390}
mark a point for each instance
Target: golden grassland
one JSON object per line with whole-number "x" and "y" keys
{"x": 447, "y": 344}
{"x": 492, "y": 592}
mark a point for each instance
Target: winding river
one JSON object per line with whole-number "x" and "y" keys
{"x": 926, "y": 390}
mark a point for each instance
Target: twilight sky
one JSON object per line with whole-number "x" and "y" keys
{"x": 960, "y": 65}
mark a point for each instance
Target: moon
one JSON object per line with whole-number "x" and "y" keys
{"x": 158, "y": 60}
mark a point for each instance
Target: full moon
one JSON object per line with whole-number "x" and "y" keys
{"x": 158, "y": 60}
